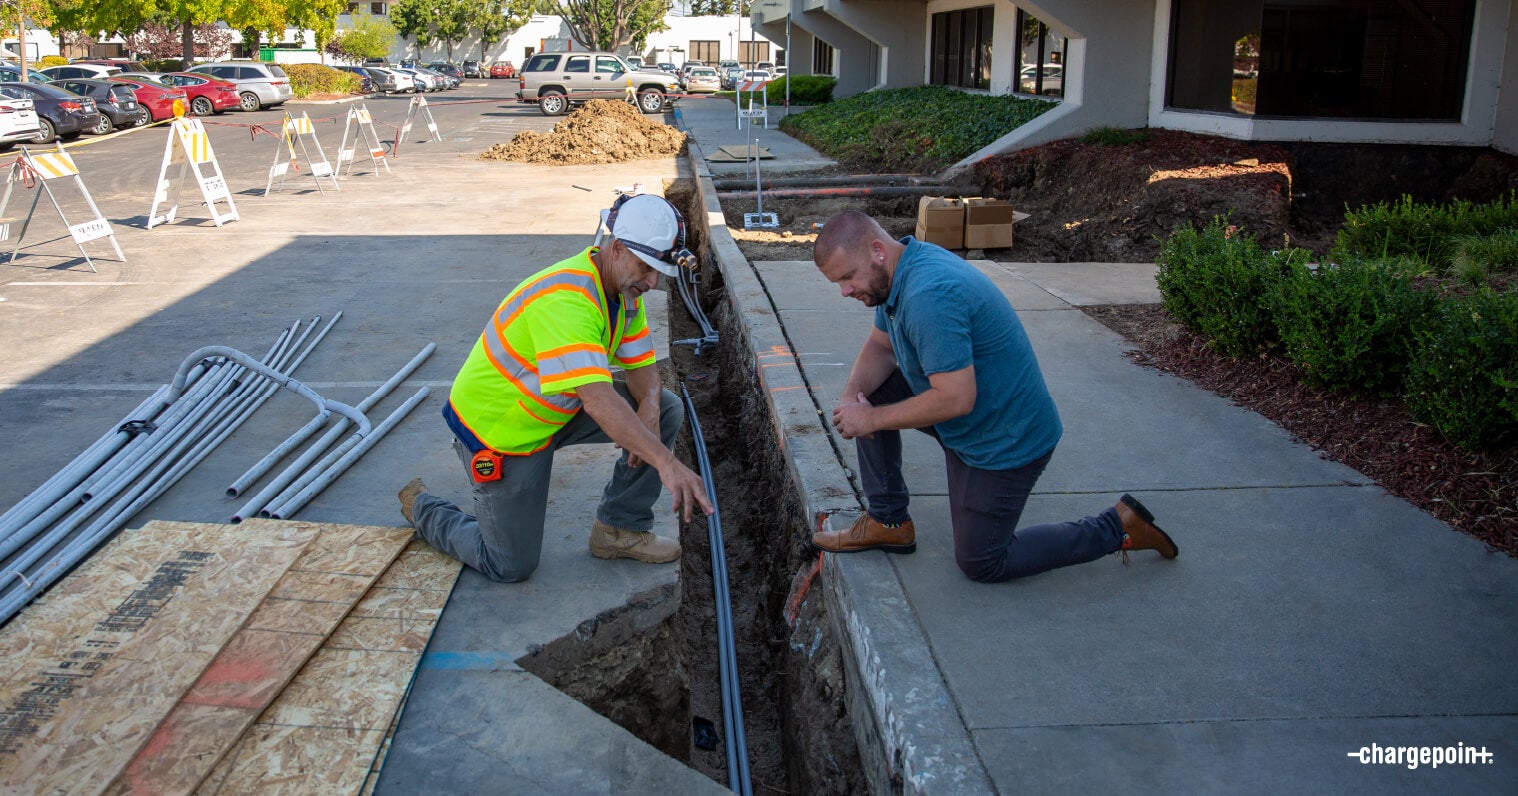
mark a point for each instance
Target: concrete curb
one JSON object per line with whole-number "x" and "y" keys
{"x": 910, "y": 734}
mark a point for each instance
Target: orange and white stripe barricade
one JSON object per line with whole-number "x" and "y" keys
{"x": 361, "y": 125}
{"x": 46, "y": 169}
{"x": 189, "y": 149}
{"x": 760, "y": 111}
{"x": 293, "y": 133}
{"x": 418, "y": 105}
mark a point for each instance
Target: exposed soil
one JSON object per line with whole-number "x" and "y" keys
{"x": 600, "y": 131}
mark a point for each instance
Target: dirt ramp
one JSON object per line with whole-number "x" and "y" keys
{"x": 1089, "y": 202}
{"x": 601, "y": 131}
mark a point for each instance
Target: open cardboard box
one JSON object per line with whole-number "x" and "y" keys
{"x": 941, "y": 220}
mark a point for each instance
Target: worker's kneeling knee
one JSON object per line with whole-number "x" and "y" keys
{"x": 981, "y": 571}
{"x": 502, "y": 573}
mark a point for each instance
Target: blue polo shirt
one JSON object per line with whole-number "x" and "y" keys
{"x": 943, "y": 315}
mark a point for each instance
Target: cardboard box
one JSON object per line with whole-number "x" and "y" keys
{"x": 941, "y": 220}
{"x": 988, "y": 224}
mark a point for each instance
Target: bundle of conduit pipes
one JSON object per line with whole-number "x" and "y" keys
{"x": 214, "y": 391}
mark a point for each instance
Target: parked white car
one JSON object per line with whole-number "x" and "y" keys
{"x": 71, "y": 71}
{"x": 18, "y": 121}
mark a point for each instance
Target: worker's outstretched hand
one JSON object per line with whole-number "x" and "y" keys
{"x": 687, "y": 488}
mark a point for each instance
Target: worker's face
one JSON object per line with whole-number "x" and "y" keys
{"x": 860, "y": 274}
{"x": 631, "y": 276}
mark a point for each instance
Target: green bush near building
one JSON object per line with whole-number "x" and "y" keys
{"x": 805, "y": 90}
{"x": 308, "y": 79}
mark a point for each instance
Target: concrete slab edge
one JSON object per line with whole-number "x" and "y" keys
{"x": 910, "y": 734}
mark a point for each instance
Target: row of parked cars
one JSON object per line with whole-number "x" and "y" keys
{"x": 64, "y": 102}
{"x": 697, "y": 77}
{"x": 383, "y": 78}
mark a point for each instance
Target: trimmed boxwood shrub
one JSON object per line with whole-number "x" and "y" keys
{"x": 805, "y": 89}
{"x": 1350, "y": 326}
{"x": 1463, "y": 377}
{"x": 308, "y": 79}
{"x": 164, "y": 65}
{"x": 51, "y": 60}
{"x": 1218, "y": 282}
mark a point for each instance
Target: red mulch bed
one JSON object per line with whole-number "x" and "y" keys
{"x": 1475, "y": 492}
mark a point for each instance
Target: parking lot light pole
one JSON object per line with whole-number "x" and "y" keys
{"x": 787, "y": 56}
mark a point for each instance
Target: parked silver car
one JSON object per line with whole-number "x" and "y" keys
{"x": 388, "y": 81}
{"x": 557, "y": 80}
{"x": 259, "y": 85}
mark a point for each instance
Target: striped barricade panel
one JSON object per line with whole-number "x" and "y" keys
{"x": 52, "y": 165}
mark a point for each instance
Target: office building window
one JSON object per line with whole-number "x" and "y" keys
{"x": 1040, "y": 58}
{"x": 961, "y": 48}
{"x": 1357, "y": 59}
{"x": 822, "y": 57}
{"x": 707, "y": 52}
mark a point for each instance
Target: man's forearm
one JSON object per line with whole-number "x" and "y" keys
{"x": 616, "y": 417}
{"x": 871, "y": 368}
{"x": 644, "y": 386}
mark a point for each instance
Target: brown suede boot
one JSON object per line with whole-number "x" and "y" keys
{"x": 867, "y": 533}
{"x": 1139, "y": 530}
{"x": 609, "y": 541}
{"x": 408, "y": 496}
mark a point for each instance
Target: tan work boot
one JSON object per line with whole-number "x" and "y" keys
{"x": 867, "y": 533}
{"x": 408, "y": 495}
{"x": 609, "y": 541}
{"x": 1139, "y": 530}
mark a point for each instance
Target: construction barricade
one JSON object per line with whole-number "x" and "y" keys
{"x": 44, "y": 169}
{"x": 761, "y": 110}
{"x": 189, "y": 148}
{"x": 361, "y": 126}
{"x": 295, "y": 133}
{"x": 418, "y": 106}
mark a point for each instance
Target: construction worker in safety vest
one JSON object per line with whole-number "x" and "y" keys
{"x": 539, "y": 378}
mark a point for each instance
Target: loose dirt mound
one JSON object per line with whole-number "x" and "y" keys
{"x": 601, "y": 131}
{"x": 1116, "y": 203}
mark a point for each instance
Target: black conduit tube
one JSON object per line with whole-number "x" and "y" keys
{"x": 738, "y": 779}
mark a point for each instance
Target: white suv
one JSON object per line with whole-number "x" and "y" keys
{"x": 259, "y": 85}
{"x": 18, "y": 121}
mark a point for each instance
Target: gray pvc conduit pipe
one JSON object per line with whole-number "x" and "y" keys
{"x": 287, "y": 509}
{"x": 69, "y": 476}
{"x": 281, "y": 379}
{"x": 261, "y": 391}
{"x": 271, "y": 493}
{"x": 738, "y": 778}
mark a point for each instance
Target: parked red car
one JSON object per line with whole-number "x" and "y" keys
{"x": 207, "y": 95}
{"x": 502, "y": 69}
{"x": 156, "y": 97}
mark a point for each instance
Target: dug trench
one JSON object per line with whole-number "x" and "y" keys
{"x": 660, "y": 679}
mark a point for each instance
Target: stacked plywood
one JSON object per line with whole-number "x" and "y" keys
{"x": 268, "y": 656}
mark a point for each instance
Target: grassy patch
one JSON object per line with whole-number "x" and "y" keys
{"x": 920, "y": 129}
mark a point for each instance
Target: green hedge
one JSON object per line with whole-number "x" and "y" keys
{"x": 1350, "y": 327}
{"x": 1222, "y": 285}
{"x": 805, "y": 90}
{"x": 1463, "y": 377}
{"x": 308, "y": 79}
{"x": 51, "y": 60}
{"x": 1424, "y": 231}
{"x": 164, "y": 65}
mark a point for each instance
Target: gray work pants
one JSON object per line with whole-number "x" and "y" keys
{"x": 504, "y": 538}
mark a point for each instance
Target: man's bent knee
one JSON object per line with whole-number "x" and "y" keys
{"x": 982, "y": 571}
{"x": 501, "y": 573}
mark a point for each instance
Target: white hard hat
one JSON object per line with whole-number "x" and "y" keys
{"x": 652, "y": 228}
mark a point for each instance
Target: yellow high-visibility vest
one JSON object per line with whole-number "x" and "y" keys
{"x": 549, "y": 336}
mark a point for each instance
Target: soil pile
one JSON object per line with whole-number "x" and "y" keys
{"x": 601, "y": 131}
{"x": 1095, "y": 203}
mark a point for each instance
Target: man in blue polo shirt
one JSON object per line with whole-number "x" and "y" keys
{"x": 949, "y": 357}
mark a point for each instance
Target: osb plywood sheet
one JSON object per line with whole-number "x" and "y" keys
{"x": 324, "y": 732}
{"x": 119, "y": 641}
{"x": 300, "y": 612}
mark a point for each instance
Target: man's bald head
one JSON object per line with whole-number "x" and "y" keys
{"x": 849, "y": 232}
{"x": 857, "y": 254}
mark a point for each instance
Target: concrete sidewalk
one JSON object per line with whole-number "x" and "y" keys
{"x": 1308, "y": 616}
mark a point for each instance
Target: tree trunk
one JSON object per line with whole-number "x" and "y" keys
{"x": 187, "y": 38}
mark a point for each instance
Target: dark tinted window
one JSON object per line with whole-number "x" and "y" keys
{"x": 1319, "y": 59}
{"x": 578, "y": 63}
{"x": 275, "y": 70}
{"x": 543, "y": 62}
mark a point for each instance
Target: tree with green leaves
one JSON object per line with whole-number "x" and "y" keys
{"x": 452, "y": 20}
{"x": 413, "y": 18}
{"x": 369, "y": 37}
{"x": 612, "y": 24}
{"x": 497, "y": 19}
